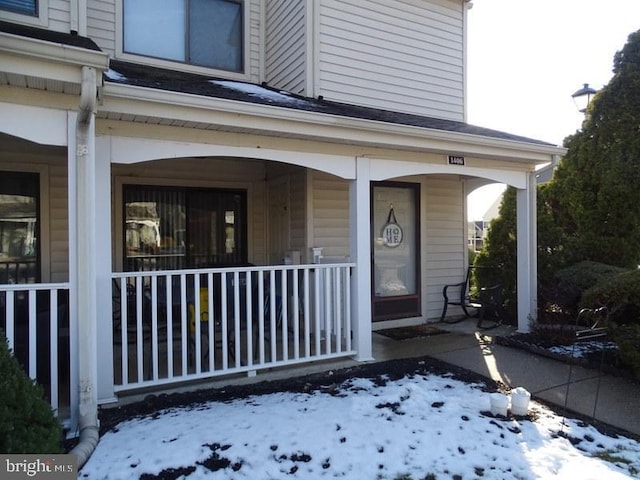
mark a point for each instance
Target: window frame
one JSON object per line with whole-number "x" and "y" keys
{"x": 186, "y": 190}
{"x": 121, "y": 54}
{"x": 44, "y": 250}
{"x": 41, "y": 19}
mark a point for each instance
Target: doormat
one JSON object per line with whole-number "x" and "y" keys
{"x": 414, "y": 331}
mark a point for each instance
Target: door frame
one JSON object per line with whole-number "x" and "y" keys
{"x": 400, "y": 306}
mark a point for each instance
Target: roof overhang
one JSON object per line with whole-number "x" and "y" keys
{"x": 28, "y": 60}
{"x": 149, "y": 104}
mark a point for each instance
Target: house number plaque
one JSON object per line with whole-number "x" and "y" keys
{"x": 391, "y": 231}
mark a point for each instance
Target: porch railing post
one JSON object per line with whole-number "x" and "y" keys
{"x": 360, "y": 250}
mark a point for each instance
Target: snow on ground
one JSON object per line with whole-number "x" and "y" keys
{"x": 416, "y": 428}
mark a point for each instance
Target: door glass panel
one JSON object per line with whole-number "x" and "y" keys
{"x": 394, "y": 242}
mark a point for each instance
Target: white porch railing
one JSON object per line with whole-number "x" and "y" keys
{"x": 36, "y": 322}
{"x": 176, "y": 326}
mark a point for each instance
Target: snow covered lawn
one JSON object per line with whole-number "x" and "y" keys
{"x": 422, "y": 426}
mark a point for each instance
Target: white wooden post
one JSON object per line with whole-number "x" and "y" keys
{"x": 527, "y": 263}
{"x": 360, "y": 249}
{"x": 103, "y": 266}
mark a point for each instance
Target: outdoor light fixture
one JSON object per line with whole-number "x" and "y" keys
{"x": 583, "y": 97}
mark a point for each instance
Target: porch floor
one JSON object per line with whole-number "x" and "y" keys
{"x": 611, "y": 400}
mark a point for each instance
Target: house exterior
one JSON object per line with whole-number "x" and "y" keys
{"x": 294, "y": 178}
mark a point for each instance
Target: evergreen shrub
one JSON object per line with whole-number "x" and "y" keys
{"x": 27, "y": 422}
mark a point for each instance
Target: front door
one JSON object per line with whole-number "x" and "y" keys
{"x": 395, "y": 229}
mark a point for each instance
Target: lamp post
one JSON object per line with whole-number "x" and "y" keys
{"x": 583, "y": 96}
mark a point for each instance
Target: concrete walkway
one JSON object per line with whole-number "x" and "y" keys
{"x": 611, "y": 400}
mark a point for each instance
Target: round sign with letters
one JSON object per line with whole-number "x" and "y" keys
{"x": 391, "y": 231}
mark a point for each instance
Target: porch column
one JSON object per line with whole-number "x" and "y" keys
{"x": 360, "y": 250}
{"x": 527, "y": 264}
{"x": 103, "y": 266}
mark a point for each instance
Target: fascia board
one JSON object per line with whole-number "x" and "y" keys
{"x": 132, "y": 100}
{"x": 28, "y": 56}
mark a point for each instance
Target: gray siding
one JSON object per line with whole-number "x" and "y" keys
{"x": 398, "y": 55}
{"x": 59, "y": 15}
{"x": 444, "y": 250}
{"x": 101, "y": 24}
{"x": 330, "y": 212}
{"x": 285, "y": 45}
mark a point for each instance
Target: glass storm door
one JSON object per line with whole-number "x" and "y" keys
{"x": 395, "y": 228}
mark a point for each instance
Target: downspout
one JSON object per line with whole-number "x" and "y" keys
{"x": 88, "y": 423}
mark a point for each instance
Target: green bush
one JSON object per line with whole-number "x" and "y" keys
{"x": 569, "y": 284}
{"x": 620, "y": 294}
{"x": 27, "y": 423}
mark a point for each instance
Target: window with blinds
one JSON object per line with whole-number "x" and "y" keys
{"x": 25, "y": 7}
{"x": 170, "y": 228}
{"x": 19, "y": 227}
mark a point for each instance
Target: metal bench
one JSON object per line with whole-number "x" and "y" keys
{"x": 487, "y": 306}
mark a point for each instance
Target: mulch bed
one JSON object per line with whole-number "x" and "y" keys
{"x": 414, "y": 331}
{"x": 605, "y": 362}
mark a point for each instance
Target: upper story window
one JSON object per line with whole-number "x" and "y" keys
{"x": 25, "y": 7}
{"x": 29, "y": 12}
{"x": 207, "y": 33}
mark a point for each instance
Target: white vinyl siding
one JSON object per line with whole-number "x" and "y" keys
{"x": 298, "y": 193}
{"x": 443, "y": 247}
{"x": 285, "y": 45}
{"x": 330, "y": 214}
{"x": 101, "y": 24}
{"x": 59, "y": 16}
{"x": 58, "y": 211}
{"x": 205, "y": 172}
{"x": 397, "y": 55}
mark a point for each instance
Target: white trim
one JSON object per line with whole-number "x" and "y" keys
{"x": 129, "y": 150}
{"x": 53, "y": 53}
{"x": 45, "y": 214}
{"x": 385, "y": 169}
{"x": 41, "y": 20}
{"x": 245, "y": 75}
{"x": 17, "y": 120}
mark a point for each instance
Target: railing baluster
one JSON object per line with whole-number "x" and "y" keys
{"x": 327, "y": 310}
{"x": 249, "y": 317}
{"x": 261, "y": 355}
{"x": 124, "y": 337}
{"x": 296, "y": 316}
{"x": 169, "y": 312}
{"x": 32, "y": 335}
{"x": 10, "y": 319}
{"x": 53, "y": 348}
{"x": 273, "y": 314}
{"x": 285, "y": 315}
{"x": 337, "y": 309}
{"x": 347, "y": 307}
{"x": 236, "y": 317}
{"x": 211, "y": 322}
{"x": 316, "y": 306}
{"x": 307, "y": 333}
{"x": 154, "y": 327}
{"x": 196, "y": 327}
{"x": 139, "y": 338}
{"x": 223, "y": 320}
{"x": 183, "y": 323}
